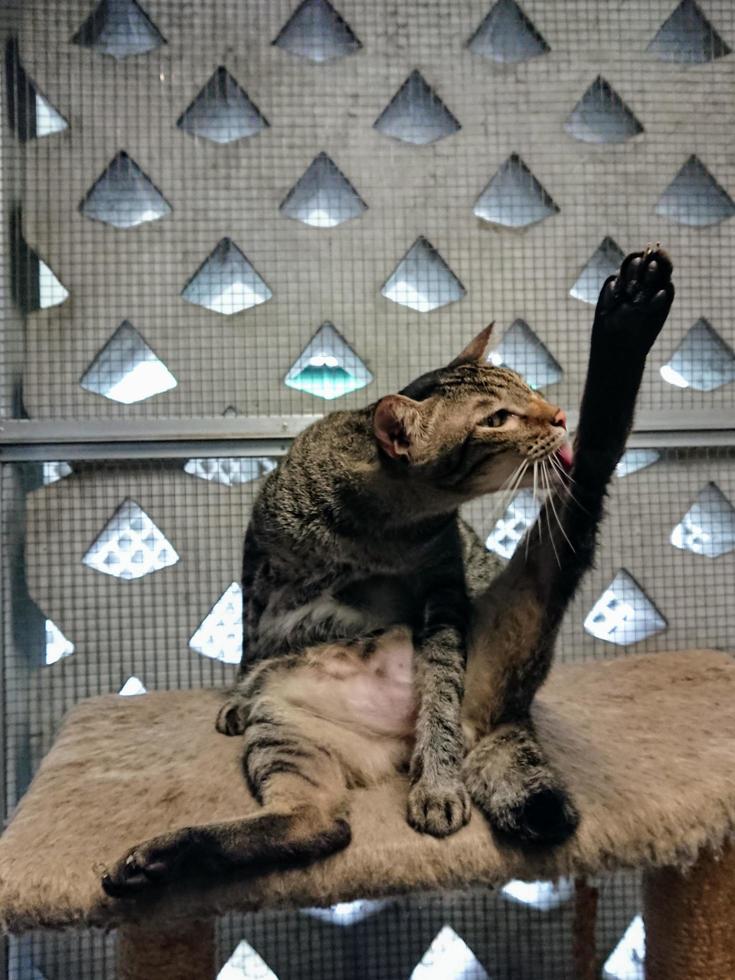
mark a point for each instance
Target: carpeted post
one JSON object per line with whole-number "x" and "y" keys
{"x": 156, "y": 951}
{"x": 689, "y": 920}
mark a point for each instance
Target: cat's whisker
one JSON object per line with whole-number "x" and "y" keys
{"x": 507, "y": 490}
{"x": 552, "y": 494}
{"x": 568, "y": 483}
{"x": 545, "y": 477}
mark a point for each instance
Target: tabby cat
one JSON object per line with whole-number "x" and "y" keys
{"x": 380, "y": 635}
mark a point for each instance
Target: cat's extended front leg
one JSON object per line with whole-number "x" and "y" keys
{"x": 438, "y": 801}
{"x": 516, "y": 621}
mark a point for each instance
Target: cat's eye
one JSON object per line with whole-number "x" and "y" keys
{"x": 497, "y": 419}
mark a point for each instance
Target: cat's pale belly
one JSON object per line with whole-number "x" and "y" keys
{"x": 367, "y": 692}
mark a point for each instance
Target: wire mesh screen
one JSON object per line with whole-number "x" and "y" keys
{"x": 274, "y": 209}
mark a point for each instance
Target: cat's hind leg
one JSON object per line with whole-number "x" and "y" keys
{"x": 301, "y": 785}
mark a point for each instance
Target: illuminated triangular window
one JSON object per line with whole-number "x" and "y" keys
{"x": 131, "y": 687}
{"x": 522, "y": 351}
{"x": 130, "y": 545}
{"x": 422, "y": 280}
{"x": 695, "y": 198}
{"x": 226, "y": 282}
{"x": 627, "y": 960}
{"x": 702, "y": 361}
{"x": 708, "y": 527}
{"x": 604, "y": 261}
{"x": 57, "y": 645}
{"x": 634, "y": 460}
{"x": 126, "y": 369}
{"x": 317, "y": 32}
{"x": 328, "y": 367}
{"x": 601, "y": 116}
{"x": 416, "y": 114}
{"x": 687, "y": 37}
{"x": 219, "y": 635}
{"x": 246, "y": 964}
{"x": 449, "y": 958}
{"x": 119, "y": 28}
{"x": 230, "y": 470}
{"x": 322, "y": 197}
{"x": 30, "y": 114}
{"x": 519, "y": 516}
{"x": 507, "y": 35}
{"x": 624, "y": 614}
{"x": 514, "y": 198}
{"x": 123, "y": 196}
{"x": 222, "y": 112}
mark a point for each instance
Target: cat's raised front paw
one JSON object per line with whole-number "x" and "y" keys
{"x": 232, "y": 717}
{"x": 634, "y": 304}
{"x": 438, "y": 808}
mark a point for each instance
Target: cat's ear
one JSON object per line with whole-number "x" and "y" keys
{"x": 396, "y": 423}
{"x": 476, "y": 350}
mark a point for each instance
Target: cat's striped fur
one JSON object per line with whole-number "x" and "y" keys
{"x": 365, "y": 594}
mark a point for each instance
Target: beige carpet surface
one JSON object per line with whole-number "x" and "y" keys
{"x": 647, "y": 744}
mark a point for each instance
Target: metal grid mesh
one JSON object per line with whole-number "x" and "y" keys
{"x": 199, "y": 221}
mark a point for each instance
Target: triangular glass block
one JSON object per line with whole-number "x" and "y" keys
{"x": 219, "y": 635}
{"x": 422, "y": 280}
{"x": 695, "y": 198}
{"x": 35, "y": 286}
{"x": 687, "y": 37}
{"x": 230, "y": 412}
{"x": 130, "y": 545}
{"x": 222, "y": 111}
{"x": 226, "y": 282}
{"x": 131, "y": 687}
{"x": 50, "y": 290}
{"x": 322, "y": 197}
{"x": 601, "y": 116}
{"x": 449, "y": 958}
{"x": 348, "y": 913}
{"x": 230, "y": 470}
{"x": 702, "y": 361}
{"x": 328, "y": 367}
{"x": 604, "y": 261}
{"x": 514, "y": 198}
{"x": 30, "y": 114}
{"x": 522, "y": 351}
{"x": 119, "y": 28}
{"x": 316, "y": 31}
{"x": 507, "y": 35}
{"x": 53, "y": 472}
{"x": 416, "y": 114}
{"x": 57, "y": 645}
{"x": 624, "y": 614}
{"x": 519, "y": 516}
{"x": 627, "y": 960}
{"x": 541, "y": 895}
{"x": 123, "y": 196}
{"x": 126, "y": 369}
{"x": 634, "y": 460}
{"x": 246, "y": 964}
{"x": 708, "y": 527}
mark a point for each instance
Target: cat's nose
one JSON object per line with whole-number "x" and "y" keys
{"x": 560, "y": 419}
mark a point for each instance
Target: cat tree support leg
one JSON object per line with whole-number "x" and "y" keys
{"x": 164, "y": 952}
{"x": 689, "y": 920}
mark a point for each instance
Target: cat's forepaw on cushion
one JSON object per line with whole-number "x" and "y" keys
{"x": 634, "y": 304}
{"x": 232, "y": 717}
{"x": 438, "y": 808}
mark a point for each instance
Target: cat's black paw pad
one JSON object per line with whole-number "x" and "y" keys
{"x": 438, "y": 809}
{"x": 232, "y": 717}
{"x": 634, "y": 304}
{"x": 152, "y": 863}
{"x": 545, "y": 817}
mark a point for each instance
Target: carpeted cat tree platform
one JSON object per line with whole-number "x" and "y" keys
{"x": 647, "y": 745}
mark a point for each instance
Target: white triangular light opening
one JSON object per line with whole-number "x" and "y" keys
{"x": 219, "y": 635}
{"x": 317, "y": 32}
{"x": 422, "y": 280}
{"x": 627, "y": 960}
{"x": 449, "y": 958}
{"x": 57, "y": 645}
{"x": 127, "y": 370}
{"x": 230, "y": 470}
{"x": 514, "y": 198}
{"x": 507, "y": 35}
{"x": 132, "y": 686}
{"x": 328, "y": 367}
{"x": 624, "y": 614}
{"x": 119, "y": 28}
{"x": 130, "y": 545}
{"x": 322, "y": 197}
{"x": 53, "y": 472}
{"x": 50, "y": 291}
{"x": 226, "y": 282}
{"x": 246, "y": 964}
{"x": 541, "y": 895}
{"x": 687, "y": 37}
{"x": 416, "y": 114}
{"x": 348, "y": 913}
{"x": 708, "y": 527}
{"x": 601, "y": 116}
{"x": 518, "y": 517}
{"x": 123, "y": 196}
{"x": 694, "y": 198}
{"x": 222, "y": 111}
{"x": 604, "y": 261}
{"x": 702, "y": 361}
{"x": 634, "y": 460}
{"x": 523, "y": 351}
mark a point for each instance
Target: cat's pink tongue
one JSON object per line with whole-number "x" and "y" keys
{"x": 566, "y": 455}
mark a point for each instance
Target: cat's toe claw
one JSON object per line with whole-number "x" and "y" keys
{"x": 231, "y": 719}
{"x": 438, "y": 809}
